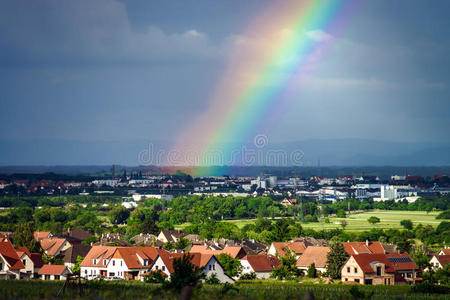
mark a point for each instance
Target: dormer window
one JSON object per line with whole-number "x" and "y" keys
{"x": 378, "y": 270}
{"x": 94, "y": 261}
{"x": 105, "y": 262}
{"x": 145, "y": 262}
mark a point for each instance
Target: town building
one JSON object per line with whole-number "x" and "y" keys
{"x": 261, "y": 265}
{"x": 314, "y": 255}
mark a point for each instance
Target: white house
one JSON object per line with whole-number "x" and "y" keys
{"x": 54, "y": 272}
{"x": 209, "y": 263}
{"x": 10, "y": 263}
{"x": 261, "y": 265}
{"x": 439, "y": 261}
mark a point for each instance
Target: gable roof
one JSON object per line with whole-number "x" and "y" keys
{"x": 52, "y": 269}
{"x": 40, "y": 235}
{"x": 71, "y": 254}
{"x": 313, "y": 254}
{"x": 37, "y": 260}
{"x": 197, "y": 259}
{"x": 78, "y": 233}
{"x": 169, "y": 234}
{"x": 282, "y": 247}
{"x": 355, "y": 248}
{"x": 233, "y": 251}
{"x": 21, "y": 250}
{"x": 443, "y": 259}
{"x": 99, "y": 253}
{"x": 392, "y": 261}
{"x": 10, "y": 255}
{"x": 446, "y": 251}
{"x": 52, "y": 245}
{"x": 262, "y": 263}
{"x": 129, "y": 255}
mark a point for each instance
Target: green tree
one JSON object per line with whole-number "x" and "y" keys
{"x": 149, "y": 226}
{"x": 340, "y": 213}
{"x": 231, "y": 266}
{"x": 287, "y": 269}
{"x": 343, "y": 224}
{"x": 420, "y": 257}
{"x": 336, "y": 259}
{"x": 76, "y": 267}
{"x": 24, "y": 236}
{"x": 312, "y": 272}
{"x": 182, "y": 244}
{"x": 185, "y": 274}
{"x": 407, "y": 224}
{"x": 119, "y": 215}
{"x": 373, "y": 220}
{"x": 403, "y": 244}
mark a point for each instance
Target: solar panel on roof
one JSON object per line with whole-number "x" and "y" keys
{"x": 399, "y": 259}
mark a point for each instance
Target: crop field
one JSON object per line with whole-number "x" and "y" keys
{"x": 358, "y": 221}
{"x": 37, "y": 289}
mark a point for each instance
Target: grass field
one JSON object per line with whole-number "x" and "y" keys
{"x": 259, "y": 290}
{"x": 358, "y": 221}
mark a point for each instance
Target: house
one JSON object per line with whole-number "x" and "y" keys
{"x": 261, "y": 265}
{"x": 147, "y": 239}
{"x": 171, "y": 236}
{"x": 355, "y": 248}
{"x": 25, "y": 257}
{"x": 123, "y": 262}
{"x": 209, "y": 263}
{"x": 280, "y": 248}
{"x": 314, "y": 255}
{"x": 387, "y": 269}
{"x": 71, "y": 254}
{"x": 10, "y": 263}
{"x": 288, "y": 202}
{"x": 40, "y": 235}
{"x": 444, "y": 251}
{"x": 54, "y": 272}
{"x": 233, "y": 251}
{"x": 54, "y": 246}
{"x": 77, "y": 233}
{"x": 439, "y": 261}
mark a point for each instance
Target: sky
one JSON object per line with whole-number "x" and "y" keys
{"x": 116, "y": 70}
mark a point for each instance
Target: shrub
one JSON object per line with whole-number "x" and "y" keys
{"x": 248, "y": 276}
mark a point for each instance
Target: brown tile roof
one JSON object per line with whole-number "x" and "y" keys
{"x": 37, "y": 260}
{"x": 40, "y": 235}
{"x": 78, "y": 233}
{"x": 392, "y": 261}
{"x": 282, "y": 247}
{"x": 198, "y": 259}
{"x": 21, "y": 250}
{"x": 355, "y": 248}
{"x": 316, "y": 255}
{"x": 71, "y": 254}
{"x": 446, "y": 251}
{"x": 443, "y": 259}
{"x": 233, "y": 251}
{"x": 52, "y": 269}
{"x": 99, "y": 253}
{"x": 9, "y": 253}
{"x": 52, "y": 245}
{"x": 262, "y": 263}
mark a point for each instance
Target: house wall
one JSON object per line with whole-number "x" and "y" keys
{"x": 116, "y": 267}
{"x": 435, "y": 264}
{"x": 213, "y": 267}
{"x": 28, "y": 263}
{"x": 5, "y": 272}
{"x": 272, "y": 250}
{"x": 159, "y": 265}
{"x": 305, "y": 269}
{"x": 357, "y": 275}
{"x": 89, "y": 272}
{"x": 52, "y": 277}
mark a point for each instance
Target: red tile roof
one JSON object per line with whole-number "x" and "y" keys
{"x": 9, "y": 253}
{"x": 443, "y": 259}
{"x": 392, "y": 261}
{"x": 262, "y": 263}
{"x": 297, "y": 247}
{"x": 52, "y": 245}
{"x": 233, "y": 251}
{"x": 52, "y": 269}
{"x": 40, "y": 235}
{"x": 316, "y": 255}
{"x": 37, "y": 260}
{"x": 446, "y": 251}
{"x": 355, "y": 248}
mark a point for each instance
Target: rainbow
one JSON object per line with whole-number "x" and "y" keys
{"x": 279, "y": 47}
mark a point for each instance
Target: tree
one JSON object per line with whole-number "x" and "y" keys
{"x": 182, "y": 244}
{"x": 76, "y": 267}
{"x": 340, "y": 213}
{"x": 231, "y": 266}
{"x": 287, "y": 269}
{"x": 403, "y": 244}
{"x": 444, "y": 215}
{"x": 24, "y": 236}
{"x": 312, "y": 272}
{"x": 149, "y": 226}
{"x": 336, "y": 259}
{"x": 420, "y": 257}
{"x": 185, "y": 274}
{"x": 119, "y": 215}
{"x": 407, "y": 224}
{"x": 343, "y": 224}
{"x": 373, "y": 220}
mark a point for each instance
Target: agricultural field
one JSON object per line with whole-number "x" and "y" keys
{"x": 358, "y": 221}
{"x": 37, "y": 289}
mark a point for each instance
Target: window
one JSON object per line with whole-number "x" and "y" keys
{"x": 163, "y": 268}
{"x": 389, "y": 281}
{"x": 156, "y": 267}
{"x": 121, "y": 263}
{"x": 85, "y": 272}
{"x": 348, "y": 269}
{"x": 114, "y": 263}
{"x": 24, "y": 262}
{"x": 104, "y": 262}
{"x": 357, "y": 280}
{"x": 368, "y": 281}
{"x": 94, "y": 261}
{"x": 409, "y": 275}
{"x": 1, "y": 266}
{"x": 214, "y": 267}
{"x": 378, "y": 270}
{"x": 56, "y": 277}
{"x": 346, "y": 279}
{"x": 356, "y": 270}
{"x": 47, "y": 277}
{"x": 210, "y": 267}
